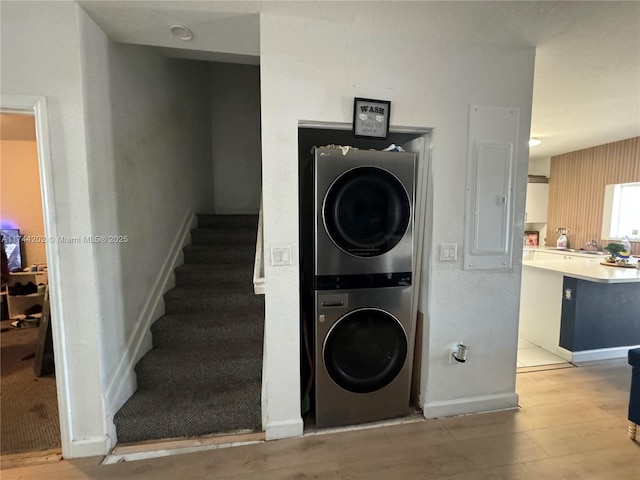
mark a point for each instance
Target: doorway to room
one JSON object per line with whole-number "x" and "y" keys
{"x": 30, "y": 417}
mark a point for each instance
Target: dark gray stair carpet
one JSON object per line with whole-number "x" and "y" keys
{"x": 207, "y": 274}
{"x": 190, "y": 412}
{"x": 220, "y": 254}
{"x": 203, "y": 374}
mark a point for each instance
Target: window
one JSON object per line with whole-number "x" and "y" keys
{"x": 621, "y": 215}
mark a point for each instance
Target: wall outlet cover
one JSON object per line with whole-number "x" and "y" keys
{"x": 280, "y": 256}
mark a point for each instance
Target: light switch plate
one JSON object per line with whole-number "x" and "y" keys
{"x": 280, "y": 256}
{"x": 448, "y": 252}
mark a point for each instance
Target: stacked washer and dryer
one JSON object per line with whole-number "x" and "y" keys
{"x": 362, "y": 284}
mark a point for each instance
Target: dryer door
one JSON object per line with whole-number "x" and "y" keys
{"x": 366, "y": 211}
{"x": 365, "y": 350}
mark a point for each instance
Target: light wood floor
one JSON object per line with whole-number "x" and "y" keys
{"x": 571, "y": 425}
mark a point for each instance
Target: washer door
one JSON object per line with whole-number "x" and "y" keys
{"x": 365, "y": 350}
{"x": 366, "y": 211}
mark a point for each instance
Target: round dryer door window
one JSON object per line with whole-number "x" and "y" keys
{"x": 365, "y": 350}
{"x": 366, "y": 211}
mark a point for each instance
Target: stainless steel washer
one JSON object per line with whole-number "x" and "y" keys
{"x": 364, "y": 202}
{"x": 363, "y": 351}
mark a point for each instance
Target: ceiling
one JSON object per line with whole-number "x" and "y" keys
{"x": 587, "y": 72}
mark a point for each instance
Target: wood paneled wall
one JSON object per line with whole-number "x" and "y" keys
{"x": 576, "y": 189}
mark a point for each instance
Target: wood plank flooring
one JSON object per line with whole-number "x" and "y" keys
{"x": 571, "y": 425}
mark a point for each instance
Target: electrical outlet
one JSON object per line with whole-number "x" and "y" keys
{"x": 280, "y": 256}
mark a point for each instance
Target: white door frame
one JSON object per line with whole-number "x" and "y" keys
{"x": 37, "y": 106}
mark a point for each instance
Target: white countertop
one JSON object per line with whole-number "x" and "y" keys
{"x": 591, "y": 271}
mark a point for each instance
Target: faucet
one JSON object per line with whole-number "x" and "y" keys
{"x": 592, "y": 243}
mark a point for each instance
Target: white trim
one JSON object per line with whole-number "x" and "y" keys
{"x": 113, "y": 458}
{"x": 563, "y": 353}
{"x": 123, "y": 382}
{"x": 601, "y": 354}
{"x": 90, "y": 447}
{"x": 37, "y": 106}
{"x": 348, "y": 126}
{"x": 464, "y": 406}
{"x": 258, "y": 265}
{"x": 284, "y": 429}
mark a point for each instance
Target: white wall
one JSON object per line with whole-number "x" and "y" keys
{"x": 41, "y": 56}
{"x": 149, "y": 172}
{"x": 131, "y": 154}
{"x": 430, "y": 82}
{"x": 542, "y": 166}
{"x": 235, "y": 113}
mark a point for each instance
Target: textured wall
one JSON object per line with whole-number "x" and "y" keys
{"x": 237, "y": 156}
{"x": 576, "y": 188}
{"x": 41, "y": 56}
{"x": 431, "y": 82}
{"x": 149, "y": 169}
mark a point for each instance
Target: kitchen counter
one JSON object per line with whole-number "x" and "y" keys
{"x": 590, "y": 269}
{"x": 579, "y": 309}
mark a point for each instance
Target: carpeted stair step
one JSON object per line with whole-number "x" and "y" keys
{"x": 218, "y": 275}
{"x": 227, "y": 221}
{"x": 224, "y": 236}
{"x": 209, "y": 328}
{"x": 201, "y": 367}
{"x": 199, "y": 299}
{"x": 203, "y": 374}
{"x": 220, "y": 254}
{"x": 151, "y": 415}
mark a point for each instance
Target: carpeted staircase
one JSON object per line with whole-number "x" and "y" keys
{"x": 204, "y": 372}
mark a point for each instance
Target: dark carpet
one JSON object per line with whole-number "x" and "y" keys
{"x": 28, "y": 404}
{"x": 204, "y": 373}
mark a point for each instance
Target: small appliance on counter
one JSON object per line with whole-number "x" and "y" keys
{"x": 563, "y": 241}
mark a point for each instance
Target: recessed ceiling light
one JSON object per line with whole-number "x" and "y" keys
{"x": 181, "y": 32}
{"x": 534, "y": 142}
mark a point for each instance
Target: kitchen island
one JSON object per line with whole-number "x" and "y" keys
{"x": 578, "y": 309}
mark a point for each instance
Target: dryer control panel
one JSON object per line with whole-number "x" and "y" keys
{"x": 376, "y": 280}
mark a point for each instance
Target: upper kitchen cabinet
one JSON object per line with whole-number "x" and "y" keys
{"x": 537, "y": 200}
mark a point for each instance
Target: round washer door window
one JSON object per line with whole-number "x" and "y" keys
{"x": 365, "y": 350}
{"x": 366, "y": 211}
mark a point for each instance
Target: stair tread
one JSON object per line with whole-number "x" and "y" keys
{"x": 183, "y": 368}
{"x": 224, "y": 236}
{"x": 211, "y": 290}
{"x": 207, "y": 267}
{"x": 211, "y": 220}
{"x": 155, "y": 414}
{"x": 178, "y": 320}
{"x": 220, "y": 248}
{"x": 201, "y": 354}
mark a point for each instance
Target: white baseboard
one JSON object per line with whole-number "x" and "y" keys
{"x": 89, "y": 447}
{"x": 601, "y": 354}
{"x": 123, "y": 382}
{"x": 486, "y": 403}
{"x": 284, "y": 429}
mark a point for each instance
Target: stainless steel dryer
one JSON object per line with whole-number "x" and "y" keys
{"x": 363, "y": 350}
{"x": 364, "y": 203}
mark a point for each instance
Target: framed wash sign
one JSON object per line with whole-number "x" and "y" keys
{"x": 371, "y": 118}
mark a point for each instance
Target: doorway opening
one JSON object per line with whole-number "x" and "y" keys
{"x": 30, "y": 416}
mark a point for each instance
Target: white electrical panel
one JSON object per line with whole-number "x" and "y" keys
{"x": 493, "y": 144}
